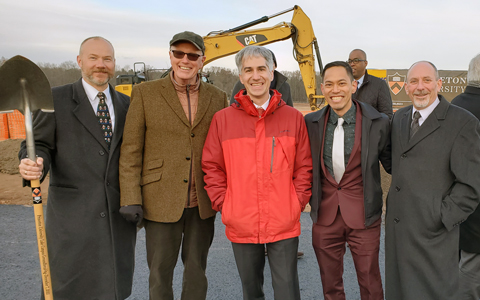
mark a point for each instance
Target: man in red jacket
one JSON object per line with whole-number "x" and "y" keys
{"x": 258, "y": 174}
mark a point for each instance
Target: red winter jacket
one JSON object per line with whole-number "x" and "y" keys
{"x": 258, "y": 170}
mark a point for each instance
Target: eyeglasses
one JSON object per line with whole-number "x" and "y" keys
{"x": 355, "y": 61}
{"x": 180, "y": 54}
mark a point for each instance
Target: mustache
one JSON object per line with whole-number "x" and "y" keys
{"x": 421, "y": 93}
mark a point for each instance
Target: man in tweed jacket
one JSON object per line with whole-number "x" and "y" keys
{"x": 161, "y": 177}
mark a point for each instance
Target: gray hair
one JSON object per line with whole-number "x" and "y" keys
{"x": 254, "y": 51}
{"x": 473, "y": 75}
{"x": 437, "y": 76}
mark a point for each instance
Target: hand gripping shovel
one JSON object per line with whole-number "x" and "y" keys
{"x": 23, "y": 86}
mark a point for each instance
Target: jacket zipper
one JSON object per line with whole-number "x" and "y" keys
{"x": 273, "y": 149}
{"x": 191, "y": 161}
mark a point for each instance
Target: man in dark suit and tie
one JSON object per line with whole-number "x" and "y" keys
{"x": 435, "y": 187}
{"x": 470, "y": 229}
{"x": 91, "y": 247}
{"x": 348, "y": 139}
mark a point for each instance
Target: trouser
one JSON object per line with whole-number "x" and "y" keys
{"x": 329, "y": 245}
{"x": 282, "y": 258}
{"x": 469, "y": 276}
{"x": 163, "y": 242}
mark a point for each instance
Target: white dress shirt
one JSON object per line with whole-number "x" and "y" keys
{"x": 360, "y": 81}
{"x": 424, "y": 113}
{"x": 265, "y": 105}
{"x": 92, "y": 96}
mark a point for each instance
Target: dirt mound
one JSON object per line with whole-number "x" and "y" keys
{"x": 9, "y": 156}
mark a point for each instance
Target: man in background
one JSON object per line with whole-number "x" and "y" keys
{"x": 470, "y": 229}
{"x": 90, "y": 246}
{"x": 370, "y": 89}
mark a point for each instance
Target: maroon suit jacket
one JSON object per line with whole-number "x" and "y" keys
{"x": 347, "y": 195}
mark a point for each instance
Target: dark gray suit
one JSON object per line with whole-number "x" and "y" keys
{"x": 91, "y": 247}
{"x": 435, "y": 186}
{"x": 470, "y": 230}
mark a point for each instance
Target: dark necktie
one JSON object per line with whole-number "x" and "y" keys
{"x": 260, "y": 111}
{"x": 415, "y": 125}
{"x": 104, "y": 118}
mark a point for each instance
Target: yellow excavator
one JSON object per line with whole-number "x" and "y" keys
{"x": 223, "y": 43}
{"x": 219, "y": 44}
{"x": 125, "y": 83}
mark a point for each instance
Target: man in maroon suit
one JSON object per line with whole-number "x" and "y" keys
{"x": 348, "y": 138}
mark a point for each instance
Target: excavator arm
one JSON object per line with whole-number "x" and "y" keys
{"x": 219, "y": 44}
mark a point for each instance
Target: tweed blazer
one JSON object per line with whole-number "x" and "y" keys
{"x": 159, "y": 147}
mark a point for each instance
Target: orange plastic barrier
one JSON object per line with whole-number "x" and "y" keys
{"x": 12, "y": 126}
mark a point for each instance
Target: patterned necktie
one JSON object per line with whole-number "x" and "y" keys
{"x": 104, "y": 118}
{"x": 338, "y": 151}
{"x": 260, "y": 111}
{"x": 415, "y": 125}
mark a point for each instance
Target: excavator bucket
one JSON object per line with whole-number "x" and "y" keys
{"x": 13, "y": 72}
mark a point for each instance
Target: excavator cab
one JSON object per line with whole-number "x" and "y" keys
{"x": 125, "y": 83}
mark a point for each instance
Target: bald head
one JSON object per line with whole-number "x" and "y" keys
{"x": 358, "y": 62}
{"x": 95, "y": 38}
{"x": 97, "y": 61}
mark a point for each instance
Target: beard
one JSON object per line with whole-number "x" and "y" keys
{"x": 97, "y": 81}
{"x": 421, "y": 103}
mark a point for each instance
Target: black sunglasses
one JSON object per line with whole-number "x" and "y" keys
{"x": 355, "y": 61}
{"x": 180, "y": 54}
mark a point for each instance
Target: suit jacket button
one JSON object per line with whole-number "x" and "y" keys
{"x": 397, "y": 189}
{"x": 403, "y": 156}
{"x": 101, "y": 152}
{"x": 102, "y": 214}
{"x": 185, "y": 180}
{"x": 396, "y": 220}
{"x": 339, "y": 188}
{"x": 192, "y": 135}
{"x": 187, "y": 158}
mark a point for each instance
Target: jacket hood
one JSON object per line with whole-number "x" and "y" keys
{"x": 243, "y": 101}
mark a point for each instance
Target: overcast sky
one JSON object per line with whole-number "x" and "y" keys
{"x": 393, "y": 33}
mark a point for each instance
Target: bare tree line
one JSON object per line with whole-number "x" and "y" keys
{"x": 223, "y": 78}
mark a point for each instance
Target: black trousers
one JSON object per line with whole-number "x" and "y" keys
{"x": 282, "y": 258}
{"x": 164, "y": 240}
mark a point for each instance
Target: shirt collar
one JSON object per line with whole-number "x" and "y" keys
{"x": 360, "y": 81}
{"x": 265, "y": 105}
{"x": 93, "y": 92}
{"x": 348, "y": 117}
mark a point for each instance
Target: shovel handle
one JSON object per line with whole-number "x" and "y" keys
{"x": 41, "y": 239}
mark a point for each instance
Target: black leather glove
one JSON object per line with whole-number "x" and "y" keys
{"x": 132, "y": 213}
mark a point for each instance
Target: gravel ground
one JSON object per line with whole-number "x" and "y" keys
{"x": 20, "y": 271}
